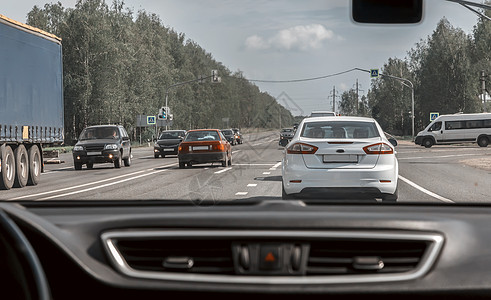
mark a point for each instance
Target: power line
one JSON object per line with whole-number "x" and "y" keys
{"x": 303, "y": 79}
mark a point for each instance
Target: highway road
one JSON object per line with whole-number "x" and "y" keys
{"x": 441, "y": 174}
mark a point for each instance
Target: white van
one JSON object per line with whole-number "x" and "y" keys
{"x": 457, "y": 128}
{"x": 322, "y": 113}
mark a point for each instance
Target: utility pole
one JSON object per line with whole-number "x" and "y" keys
{"x": 483, "y": 88}
{"x": 334, "y": 99}
{"x": 356, "y": 106}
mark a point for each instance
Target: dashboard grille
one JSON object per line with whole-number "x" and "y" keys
{"x": 207, "y": 256}
{"x": 306, "y": 257}
{"x": 340, "y": 257}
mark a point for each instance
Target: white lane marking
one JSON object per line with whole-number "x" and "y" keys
{"x": 252, "y": 184}
{"x": 441, "y": 156}
{"x": 277, "y": 165}
{"x": 252, "y": 164}
{"x": 146, "y": 157}
{"x": 224, "y": 170}
{"x": 422, "y": 189}
{"x": 56, "y": 170}
{"x": 104, "y": 185}
{"x": 241, "y": 193}
{"x": 266, "y": 173}
{"x": 236, "y": 151}
{"x": 85, "y": 184}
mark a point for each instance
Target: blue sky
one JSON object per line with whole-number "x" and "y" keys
{"x": 289, "y": 39}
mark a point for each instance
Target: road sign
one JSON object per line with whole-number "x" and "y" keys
{"x": 374, "y": 73}
{"x": 151, "y": 120}
{"x": 433, "y": 115}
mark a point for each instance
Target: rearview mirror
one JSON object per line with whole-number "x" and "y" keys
{"x": 393, "y": 141}
{"x": 387, "y": 11}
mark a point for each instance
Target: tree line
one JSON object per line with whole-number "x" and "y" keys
{"x": 445, "y": 69}
{"x": 117, "y": 64}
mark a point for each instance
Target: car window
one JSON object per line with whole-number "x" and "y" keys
{"x": 170, "y": 135}
{"x": 330, "y": 129}
{"x": 196, "y": 136}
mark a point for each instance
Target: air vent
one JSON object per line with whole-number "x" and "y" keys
{"x": 341, "y": 257}
{"x": 182, "y": 256}
{"x": 304, "y": 257}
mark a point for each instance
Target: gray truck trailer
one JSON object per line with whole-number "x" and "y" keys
{"x": 31, "y": 101}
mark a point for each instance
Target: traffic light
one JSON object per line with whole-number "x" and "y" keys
{"x": 162, "y": 113}
{"x": 214, "y": 76}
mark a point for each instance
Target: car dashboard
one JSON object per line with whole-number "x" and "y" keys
{"x": 151, "y": 249}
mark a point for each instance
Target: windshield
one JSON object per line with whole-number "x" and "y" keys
{"x": 157, "y": 70}
{"x": 99, "y": 133}
{"x": 171, "y": 135}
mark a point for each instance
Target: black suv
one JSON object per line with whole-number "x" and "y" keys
{"x": 102, "y": 144}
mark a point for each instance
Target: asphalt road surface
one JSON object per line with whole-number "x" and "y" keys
{"x": 441, "y": 174}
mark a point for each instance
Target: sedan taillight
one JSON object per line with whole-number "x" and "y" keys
{"x": 301, "y": 148}
{"x": 379, "y": 148}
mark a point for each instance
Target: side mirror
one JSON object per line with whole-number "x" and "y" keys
{"x": 393, "y": 141}
{"x": 125, "y": 138}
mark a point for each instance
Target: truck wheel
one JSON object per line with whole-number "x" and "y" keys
{"x": 181, "y": 165}
{"x": 77, "y": 165}
{"x": 90, "y": 165}
{"x": 427, "y": 143}
{"x": 7, "y": 168}
{"x": 156, "y": 155}
{"x": 483, "y": 141}
{"x": 34, "y": 165}
{"x": 21, "y": 166}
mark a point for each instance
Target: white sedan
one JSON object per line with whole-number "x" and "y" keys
{"x": 340, "y": 158}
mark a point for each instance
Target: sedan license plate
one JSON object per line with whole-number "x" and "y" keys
{"x": 94, "y": 153}
{"x": 171, "y": 149}
{"x": 200, "y": 148}
{"x": 340, "y": 158}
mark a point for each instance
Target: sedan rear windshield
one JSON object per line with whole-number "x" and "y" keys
{"x": 195, "y": 136}
{"x": 337, "y": 129}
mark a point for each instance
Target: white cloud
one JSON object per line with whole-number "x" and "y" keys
{"x": 294, "y": 38}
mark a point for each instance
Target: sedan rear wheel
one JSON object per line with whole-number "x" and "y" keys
{"x": 284, "y": 195}
{"x": 391, "y": 197}
{"x": 225, "y": 162}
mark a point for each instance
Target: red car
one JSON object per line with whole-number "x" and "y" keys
{"x": 204, "y": 146}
